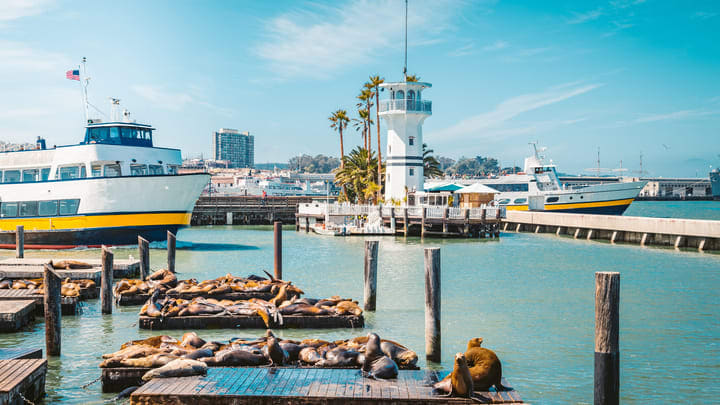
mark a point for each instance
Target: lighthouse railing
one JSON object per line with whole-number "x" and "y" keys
{"x": 423, "y": 106}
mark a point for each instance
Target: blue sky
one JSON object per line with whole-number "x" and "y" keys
{"x": 625, "y": 76}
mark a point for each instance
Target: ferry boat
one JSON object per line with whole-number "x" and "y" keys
{"x": 715, "y": 183}
{"x": 539, "y": 189}
{"x": 109, "y": 189}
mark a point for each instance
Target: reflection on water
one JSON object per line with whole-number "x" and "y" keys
{"x": 529, "y": 296}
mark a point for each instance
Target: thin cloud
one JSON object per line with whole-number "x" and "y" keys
{"x": 319, "y": 42}
{"x": 18, "y": 57}
{"x": 579, "y": 18}
{"x": 495, "y": 46}
{"x": 704, "y": 15}
{"x": 675, "y": 115}
{"x": 468, "y": 49}
{"x": 175, "y": 100}
{"x": 510, "y": 108}
{"x": 14, "y": 9}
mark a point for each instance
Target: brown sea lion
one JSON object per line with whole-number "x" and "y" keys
{"x": 177, "y": 368}
{"x": 400, "y": 354}
{"x": 377, "y": 364}
{"x": 485, "y": 367}
{"x": 192, "y": 339}
{"x": 339, "y": 357}
{"x": 309, "y": 355}
{"x": 70, "y": 264}
{"x": 231, "y": 358}
{"x": 273, "y": 351}
{"x": 459, "y": 383}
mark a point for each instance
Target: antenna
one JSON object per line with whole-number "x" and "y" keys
{"x": 406, "y": 29}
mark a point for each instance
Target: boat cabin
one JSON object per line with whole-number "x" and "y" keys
{"x": 119, "y": 133}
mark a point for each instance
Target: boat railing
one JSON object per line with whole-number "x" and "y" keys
{"x": 346, "y": 209}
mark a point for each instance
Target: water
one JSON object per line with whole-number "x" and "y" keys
{"x": 529, "y": 296}
{"x": 675, "y": 209}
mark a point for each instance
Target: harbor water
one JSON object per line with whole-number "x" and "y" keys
{"x": 531, "y": 297}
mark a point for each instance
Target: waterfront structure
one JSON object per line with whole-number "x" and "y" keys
{"x": 404, "y": 113}
{"x": 107, "y": 190}
{"x": 238, "y": 148}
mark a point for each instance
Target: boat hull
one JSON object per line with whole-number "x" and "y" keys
{"x": 599, "y": 208}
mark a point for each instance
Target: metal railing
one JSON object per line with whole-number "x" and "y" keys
{"x": 430, "y": 211}
{"x": 422, "y": 106}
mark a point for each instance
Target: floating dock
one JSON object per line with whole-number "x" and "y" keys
{"x": 32, "y": 267}
{"x": 14, "y": 315}
{"x": 69, "y": 305}
{"x": 302, "y": 386}
{"x": 139, "y": 299}
{"x": 251, "y": 322}
{"x": 695, "y": 234}
{"x": 22, "y": 381}
{"x": 246, "y": 210}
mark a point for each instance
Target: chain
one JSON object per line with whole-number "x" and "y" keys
{"x": 27, "y": 401}
{"x": 91, "y": 383}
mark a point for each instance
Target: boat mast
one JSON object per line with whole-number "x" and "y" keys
{"x": 405, "y": 64}
{"x": 85, "y": 80}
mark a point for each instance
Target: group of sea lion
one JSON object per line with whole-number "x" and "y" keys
{"x": 69, "y": 288}
{"x": 161, "y": 280}
{"x": 377, "y": 358}
{"x": 477, "y": 369}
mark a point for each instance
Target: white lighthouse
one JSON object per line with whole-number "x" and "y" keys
{"x": 404, "y": 113}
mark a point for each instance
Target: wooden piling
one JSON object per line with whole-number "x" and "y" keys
{"x": 307, "y": 224}
{"x": 371, "y": 261}
{"x": 52, "y": 306}
{"x": 277, "y": 237}
{"x": 422, "y": 221}
{"x": 445, "y": 220}
{"x": 393, "y": 224}
{"x": 144, "y": 253}
{"x": 171, "y": 251}
{"x": 20, "y": 242}
{"x": 106, "y": 281}
{"x": 607, "y": 331}
{"x": 466, "y": 227}
{"x": 405, "y": 221}
{"x": 432, "y": 304}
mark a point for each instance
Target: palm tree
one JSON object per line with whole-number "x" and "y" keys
{"x": 365, "y": 97}
{"x": 431, "y": 166}
{"x": 375, "y": 82}
{"x": 358, "y": 175}
{"x": 339, "y": 121}
{"x": 363, "y": 123}
{"x": 412, "y": 78}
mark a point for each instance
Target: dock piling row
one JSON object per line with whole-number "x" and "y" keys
{"x": 106, "y": 281}
{"x": 52, "y": 303}
{"x": 20, "y": 242}
{"x": 607, "y": 331}
{"x": 277, "y": 229}
{"x": 171, "y": 251}
{"x": 432, "y": 304}
{"x": 371, "y": 258}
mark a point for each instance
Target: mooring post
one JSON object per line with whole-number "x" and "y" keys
{"x": 607, "y": 331}
{"x": 432, "y": 304}
{"x": 53, "y": 314}
{"x": 171, "y": 251}
{"x": 106, "y": 281}
{"x": 229, "y": 218}
{"x": 422, "y": 222}
{"x": 405, "y": 221}
{"x": 144, "y": 253}
{"x": 20, "y": 242}
{"x": 393, "y": 225}
{"x": 466, "y": 229}
{"x": 307, "y": 224}
{"x": 445, "y": 219}
{"x": 371, "y": 261}
{"x": 277, "y": 237}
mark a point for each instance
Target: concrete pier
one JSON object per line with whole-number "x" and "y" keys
{"x": 643, "y": 231}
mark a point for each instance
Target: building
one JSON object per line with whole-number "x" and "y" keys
{"x": 238, "y": 148}
{"x": 404, "y": 112}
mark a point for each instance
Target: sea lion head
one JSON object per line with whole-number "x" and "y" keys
{"x": 373, "y": 344}
{"x": 460, "y": 359}
{"x": 269, "y": 333}
{"x": 475, "y": 342}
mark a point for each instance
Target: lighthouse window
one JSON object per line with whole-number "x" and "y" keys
{"x": 9, "y": 210}
{"x": 28, "y": 209}
{"x": 412, "y": 140}
{"x": 411, "y": 95}
{"x": 48, "y": 208}
{"x": 412, "y": 172}
{"x": 400, "y": 95}
{"x": 11, "y": 176}
{"x": 112, "y": 170}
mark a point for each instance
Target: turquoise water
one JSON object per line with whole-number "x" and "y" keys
{"x": 675, "y": 209}
{"x": 529, "y": 296}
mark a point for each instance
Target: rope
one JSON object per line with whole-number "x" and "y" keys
{"x": 27, "y": 401}
{"x": 91, "y": 382}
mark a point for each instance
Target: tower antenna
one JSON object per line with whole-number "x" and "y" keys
{"x": 405, "y": 65}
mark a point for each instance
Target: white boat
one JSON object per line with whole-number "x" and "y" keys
{"x": 107, "y": 190}
{"x": 273, "y": 187}
{"x": 539, "y": 188}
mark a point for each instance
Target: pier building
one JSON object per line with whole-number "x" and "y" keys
{"x": 238, "y": 148}
{"x": 404, "y": 113}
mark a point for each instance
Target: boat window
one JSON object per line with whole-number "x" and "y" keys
{"x": 156, "y": 169}
{"x": 552, "y": 199}
{"x": 45, "y": 174}
{"x": 112, "y": 170}
{"x": 48, "y": 208}
{"x": 83, "y": 172}
{"x": 9, "y": 210}
{"x": 138, "y": 170}
{"x": 71, "y": 172}
{"x": 30, "y": 175}
{"x": 69, "y": 207}
{"x": 96, "y": 170}
{"x": 520, "y": 200}
{"x": 128, "y": 132}
{"x": 114, "y": 132}
{"x": 11, "y": 176}
{"x": 28, "y": 209}
{"x": 504, "y": 201}
{"x": 172, "y": 169}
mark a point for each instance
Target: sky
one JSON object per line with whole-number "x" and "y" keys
{"x": 629, "y": 78}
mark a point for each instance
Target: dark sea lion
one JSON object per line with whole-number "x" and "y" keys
{"x": 273, "y": 351}
{"x": 126, "y": 392}
{"x": 400, "y": 354}
{"x": 292, "y": 349}
{"x": 199, "y": 353}
{"x": 377, "y": 364}
{"x": 309, "y": 355}
{"x": 485, "y": 367}
{"x": 339, "y": 357}
{"x": 235, "y": 358}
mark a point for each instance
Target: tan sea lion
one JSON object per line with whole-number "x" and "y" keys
{"x": 70, "y": 264}
{"x": 400, "y": 354}
{"x": 377, "y": 364}
{"x": 273, "y": 351}
{"x": 177, "y": 368}
{"x": 459, "y": 383}
{"x": 309, "y": 355}
{"x": 485, "y": 367}
{"x": 339, "y": 357}
{"x": 192, "y": 339}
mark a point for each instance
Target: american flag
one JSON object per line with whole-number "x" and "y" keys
{"x": 73, "y": 75}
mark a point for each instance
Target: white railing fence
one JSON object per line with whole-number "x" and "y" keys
{"x": 346, "y": 209}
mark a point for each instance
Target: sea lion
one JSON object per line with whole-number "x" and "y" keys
{"x": 339, "y": 357}
{"x": 273, "y": 351}
{"x": 400, "y": 354}
{"x": 459, "y": 383}
{"x": 377, "y": 364}
{"x": 199, "y": 353}
{"x": 70, "y": 264}
{"x": 485, "y": 367}
{"x": 309, "y": 355}
{"x": 177, "y": 368}
{"x": 192, "y": 339}
{"x": 292, "y": 349}
{"x": 237, "y": 357}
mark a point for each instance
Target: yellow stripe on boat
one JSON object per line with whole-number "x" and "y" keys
{"x": 569, "y": 206}
{"x": 97, "y": 221}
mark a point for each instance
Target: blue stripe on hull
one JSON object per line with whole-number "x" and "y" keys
{"x": 91, "y": 237}
{"x": 610, "y": 210}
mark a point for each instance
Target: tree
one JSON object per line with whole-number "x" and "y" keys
{"x": 431, "y": 167}
{"x": 474, "y": 167}
{"x": 339, "y": 121}
{"x": 445, "y": 162}
{"x": 365, "y": 97}
{"x": 412, "y": 78}
{"x": 314, "y": 164}
{"x": 358, "y": 175}
{"x": 375, "y": 82}
{"x": 362, "y": 124}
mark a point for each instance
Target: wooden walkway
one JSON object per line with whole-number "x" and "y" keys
{"x": 14, "y": 315}
{"x": 251, "y": 322}
{"x": 301, "y": 386}
{"x": 69, "y": 304}
{"x": 22, "y": 380}
{"x": 18, "y": 353}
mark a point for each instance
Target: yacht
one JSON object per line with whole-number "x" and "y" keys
{"x": 109, "y": 189}
{"x": 539, "y": 189}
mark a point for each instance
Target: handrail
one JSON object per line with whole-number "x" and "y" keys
{"x": 414, "y": 211}
{"x": 424, "y": 106}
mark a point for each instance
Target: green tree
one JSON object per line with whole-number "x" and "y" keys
{"x": 431, "y": 166}
{"x": 358, "y": 175}
{"x": 339, "y": 121}
{"x": 366, "y": 95}
{"x": 412, "y": 78}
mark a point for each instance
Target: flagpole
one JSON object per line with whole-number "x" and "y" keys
{"x": 84, "y": 83}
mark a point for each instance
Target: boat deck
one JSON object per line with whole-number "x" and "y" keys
{"x": 302, "y": 386}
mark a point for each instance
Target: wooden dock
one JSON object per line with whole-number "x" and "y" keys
{"x": 14, "y": 315}
{"x": 251, "y": 322}
{"x": 18, "y": 353}
{"x": 22, "y": 381}
{"x": 19, "y": 268}
{"x": 69, "y": 304}
{"x": 302, "y": 386}
{"x": 139, "y": 299}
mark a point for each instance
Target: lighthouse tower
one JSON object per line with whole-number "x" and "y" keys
{"x": 404, "y": 113}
